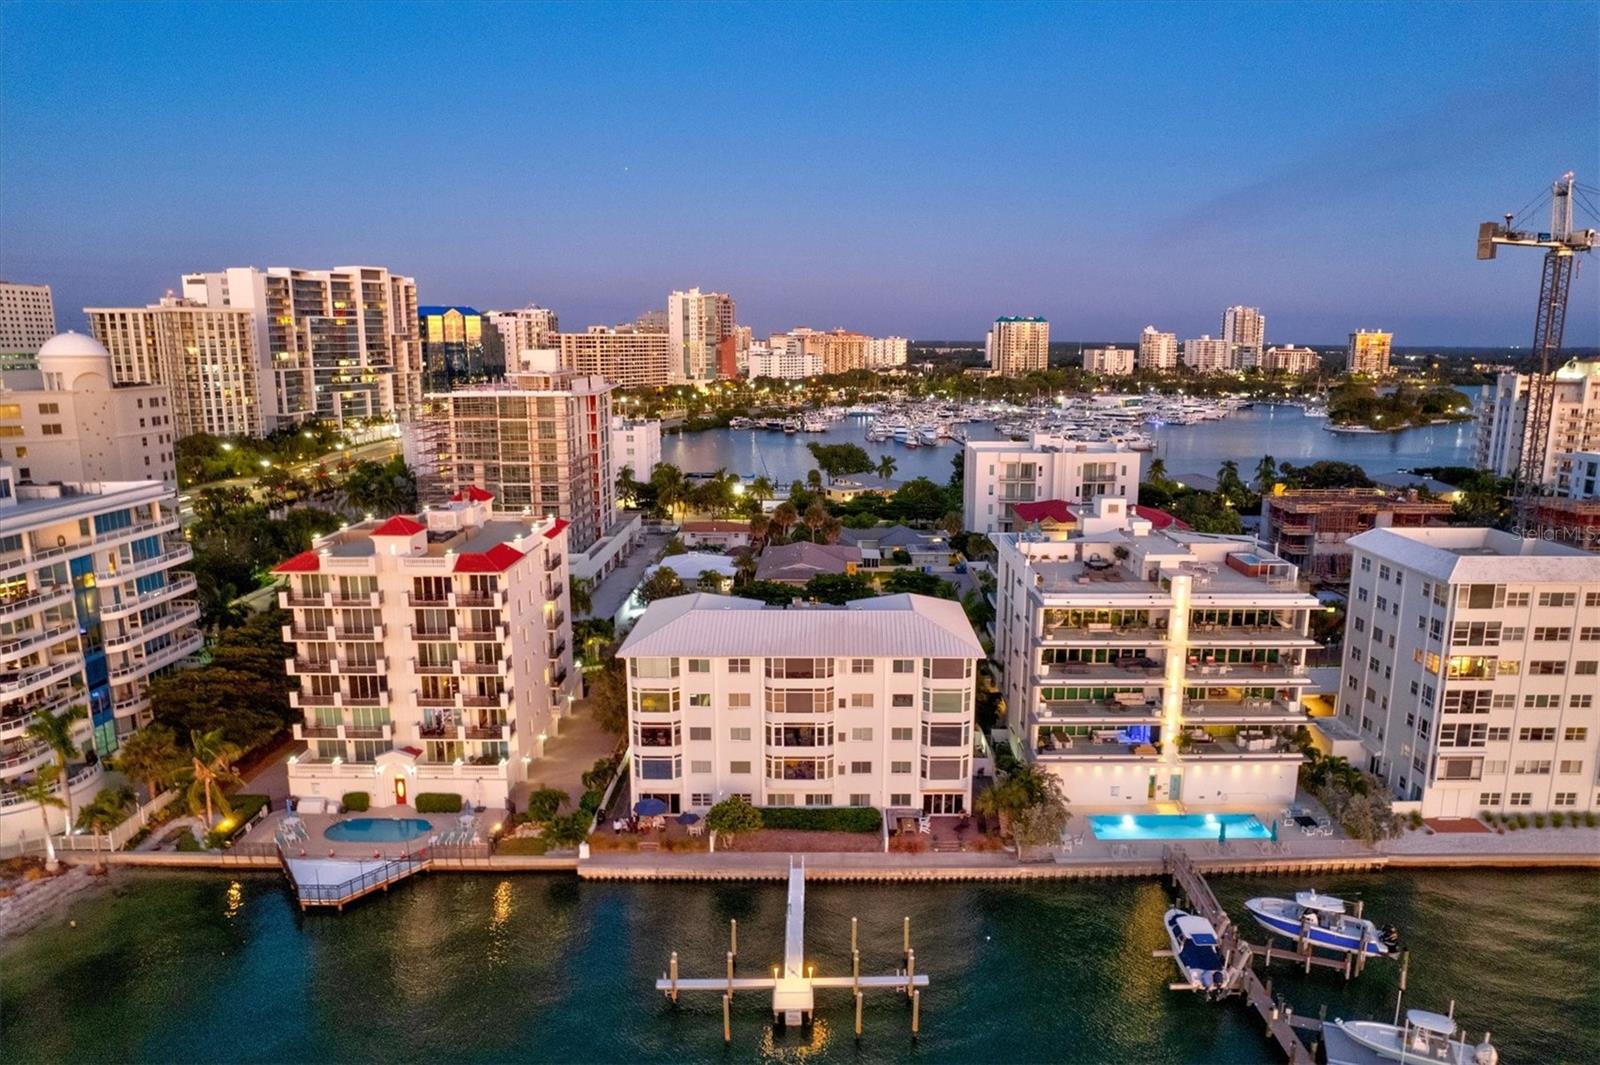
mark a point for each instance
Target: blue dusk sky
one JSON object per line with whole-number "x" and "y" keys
{"x": 901, "y": 169}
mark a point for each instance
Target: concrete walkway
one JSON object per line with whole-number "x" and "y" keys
{"x": 607, "y": 597}
{"x": 568, "y": 756}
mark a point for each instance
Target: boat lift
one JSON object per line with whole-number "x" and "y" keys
{"x": 794, "y": 984}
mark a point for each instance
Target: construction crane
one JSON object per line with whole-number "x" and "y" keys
{"x": 1562, "y": 246}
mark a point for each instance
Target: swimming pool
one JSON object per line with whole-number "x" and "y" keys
{"x": 378, "y": 829}
{"x": 1176, "y": 826}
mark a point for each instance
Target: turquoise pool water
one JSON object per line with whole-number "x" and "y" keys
{"x": 1176, "y": 826}
{"x": 378, "y": 829}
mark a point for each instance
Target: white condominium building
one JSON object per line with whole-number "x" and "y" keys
{"x": 1245, "y": 330}
{"x": 27, "y": 320}
{"x": 635, "y": 445}
{"x": 1368, "y": 353}
{"x": 1579, "y": 475}
{"x": 886, "y": 351}
{"x": 626, "y": 356}
{"x": 531, "y": 328}
{"x": 1290, "y": 359}
{"x": 1205, "y": 355}
{"x": 1145, "y": 666}
{"x": 696, "y": 322}
{"x": 999, "y": 474}
{"x": 1112, "y": 362}
{"x": 537, "y": 440}
{"x": 1470, "y": 669}
{"x": 92, "y": 605}
{"x": 68, "y": 421}
{"x": 205, "y": 356}
{"x": 1574, "y": 422}
{"x": 432, "y": 654}
{"x": 869, "y": 704}
{"x": 335, "y": 345}
{"x": 784, "y": 358}
{"x": 1157, "y": 350}
{"x": 1018, "y": 346}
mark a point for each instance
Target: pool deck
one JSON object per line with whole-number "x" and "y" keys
{"x": 319, "y": 846}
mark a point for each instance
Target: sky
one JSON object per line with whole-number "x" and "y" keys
{"x": 895, "y": 169}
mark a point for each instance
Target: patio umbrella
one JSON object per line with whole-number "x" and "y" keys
{"x": 649, "y": 807}
{"x": 687, "y": 818}
{"x": 1274, "y": 830}
{"x": 1222, "y": 832}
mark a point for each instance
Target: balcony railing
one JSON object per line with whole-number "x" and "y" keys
{"x": 39, "y": 600}
{"x": 18, "y": 684}
{"x": 555, "y": 619}
{"x": 32, "y": 640}
{"x": 178, "y": 585}
{"x": 554, "y": 589}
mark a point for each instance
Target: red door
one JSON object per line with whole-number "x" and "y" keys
{"x": 399, "y": 791}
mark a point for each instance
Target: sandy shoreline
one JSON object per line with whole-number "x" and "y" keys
{"x": 34, "y": 902}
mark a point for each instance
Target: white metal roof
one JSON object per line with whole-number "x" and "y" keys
{"x": 720, "y": 626}
{"x": 1486, "y": 556}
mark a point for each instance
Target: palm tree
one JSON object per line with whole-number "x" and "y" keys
{"x": 321, "y": 479}
{"x": 1266, "y": 474}
{"x": 760, "y": 528}
{"x": 744, "y": 565}
{"x": 886, "y": 467}
{"x": 760, "y": 489}
{"x": 581, "y": 601}
{"x": 105, "y": 811}
{"x": 56, "y": 731}
{"x": 784, "y": 516}
{"x": 1157, "y": 471}
{"x": 212, "y": 770}
{"x": 151, "y": 755}
{"x": 42, "y": 790}
{"x": 814, "y": 480}
{"x": 816, "y": 516}
{"x": 670, "y": 487}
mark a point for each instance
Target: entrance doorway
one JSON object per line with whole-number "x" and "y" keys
{"x": 400, "y": 790}
{"x": 943, "y": 803}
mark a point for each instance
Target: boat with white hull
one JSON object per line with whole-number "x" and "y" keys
{"x": 1323, "y": 921}
{"x": 1195, "y": 949}
{"x": 1423, "y": 1037}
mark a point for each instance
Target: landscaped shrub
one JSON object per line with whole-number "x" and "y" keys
{"x": 822, "y": 819}
{"x": 1486, "y": 817}
{"x": 187, "y": 843}
{"x": 1522, "y": 820}
{"x": 244, "y": 806}
{"x": 590, "y": 802}
{"x": 438, "y": 802}
{"x": 1416, "y": 819}
{"x": 1589, "y": 818}
{"x": 545, "y": 803}
{"x": 1557, "y": 819}
{"x": 356, "y": 801}
{"x": 1538, "y": 820}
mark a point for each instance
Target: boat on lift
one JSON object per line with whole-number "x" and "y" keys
{"x": 1195, "y": 949}
{"x": 1324, "y": 923}
{"x": 1424, "y": 1037}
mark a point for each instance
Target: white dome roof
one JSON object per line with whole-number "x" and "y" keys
{"x": 72, "y": 345}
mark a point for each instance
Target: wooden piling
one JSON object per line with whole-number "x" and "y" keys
{"x": 916, "y": 1010}
{"x": 730, "y": 974}
{"x": 858, "y": 1013}
{"x": 672, "y": 969}
{"x": 905, "y": 936}
{"x": 911, "y": 970}
{"x": 853, "y": 924}
{"x": 727, "y": 1019}
{"x": 733, "y": 936}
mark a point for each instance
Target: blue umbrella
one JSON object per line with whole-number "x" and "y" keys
{"x": 649, "y": 807}
{"x": 1274, "y": 830}
{"x": 687, "y": 818}
{"x": 1222, "y": 832}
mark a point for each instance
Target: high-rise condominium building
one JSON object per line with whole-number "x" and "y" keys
{"x": 883, "y": 352}
{"x": 696, "y": 322}
{"x": 459, "y": 346}
{"x": 206, "y": 356}
{"x": 432, "y": 653}
{"x": 1470, "y": 669}
{"x": 1018, "y": 346}
{"x": 785, "y": 357}
{"x": 27, "y": 320}
{"x": 537, "y": 440}
{"x": 1205, "y": 355}
{"x": 531, "y": 328}
{"x": 68, "y": 421}
{"x": 626, "y": 356}
{"x": 1245, "y": 330}
{"x": 997, "y": 475}
{"x": 336, "y": 345}
{"x": 1573, "y": 425}
{"x": 1112, "y": 362}
{"x": 869, "y": 704}
{"x": 1143, "y": 665}
{"x": 1290, "y": 359}
{"x": 1368, "y": 353}
{"x": 1157, "y": 350}
{"x": 94, "y": 604}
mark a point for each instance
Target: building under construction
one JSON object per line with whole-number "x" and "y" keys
{"x": 1309, "y": 526}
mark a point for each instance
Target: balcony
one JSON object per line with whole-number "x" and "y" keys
{"x": 1141, "y": 670}
{"x": 25, "y": 757}
{"x": 553, "y": 563}
{"x": 1244, "y": 711}
{"x": 1249, "y": 635}
{"x": 182, "y": 583}
{"x": 430, "y": 636}
{"x": 1104, "y": 745}
{"x": 316, "y": 732}
{"x": 1105, "y": 633}
{"x": 372, "y": 600}
{"x": 333, "y": 667}
{"x": 1146, "y": 709}
{"x": 497, "y": 634}
{"x": 503, "y": 699}
{"x": 554, "y": 590}
{"x": 185, "y": 613}
{"x": 54, "y": 595}
{"x": 489, "y": 732}
{"x": 484, "y": 668}
{"x": 145, "y": 664}
{"x": 556, "y": 649}
{"x": 434, "y": 668}
{"x": 1245, "y": 674}
{"x": 289, "y": 600}
{"x": 555, "y": 620}
{"x": 1259, "y": 744}
{"x": 174, "y": 555}
{"x": 560, "y": 677}
{"x": 98, "y": 540}
{"x": 16, "y": 685}
{"x": 477, "y": 598}
{"x": 36, "y": 639}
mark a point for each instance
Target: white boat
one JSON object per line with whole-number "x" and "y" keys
{"x": 1424, "y": 1037}
{"x": 1195, "y": 949}
{"x": 814, "y": 423}
{"x": 1323, "y": 920}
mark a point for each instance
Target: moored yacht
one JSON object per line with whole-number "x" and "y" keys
{"x": 1323, "y": 921}
{"x": 1195, "y": 949}
{"x": 1423, "y": 1037}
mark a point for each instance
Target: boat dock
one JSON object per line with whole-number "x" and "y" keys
{"x": 794, "y": 983}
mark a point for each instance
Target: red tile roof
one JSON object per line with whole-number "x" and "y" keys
{"x": 399, "y": 525}
{"x": 715, "y": 526}
{"x": 497, "y": 559}
{"x": 1158, "y": 519}
{"x": 1045, "y": 510}
{"x": 304, "y": 562}
{"x": 555, "y": 529}
{"x": 472, "y": 494}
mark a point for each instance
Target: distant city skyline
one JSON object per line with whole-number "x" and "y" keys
{"x": 1103, "y": 166}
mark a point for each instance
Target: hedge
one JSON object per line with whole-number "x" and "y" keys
{"x": 822, "y": 818}
{"x": 356, "y": 801}
{"x": 438, "y": 802}
{"x": 244, "y": 806}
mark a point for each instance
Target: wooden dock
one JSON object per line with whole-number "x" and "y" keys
{"x": 1281, "y": 1023}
